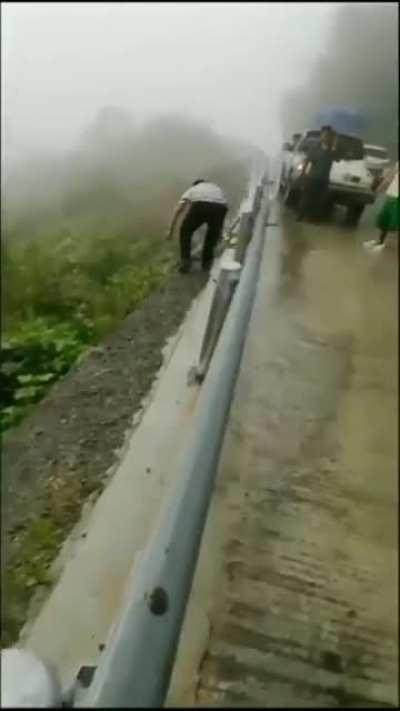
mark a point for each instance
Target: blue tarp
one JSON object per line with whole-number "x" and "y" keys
{"x": 342, "y": 119}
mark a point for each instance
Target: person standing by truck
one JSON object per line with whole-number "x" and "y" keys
{"x": 204, "y": 203}
{"x": 315, "y": 175}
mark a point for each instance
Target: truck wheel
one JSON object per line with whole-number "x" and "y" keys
{"x": 354, "y": 213}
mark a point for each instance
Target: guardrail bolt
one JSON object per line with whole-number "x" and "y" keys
{"x": 158, "y": 601}
{"x": 85, "y": 675}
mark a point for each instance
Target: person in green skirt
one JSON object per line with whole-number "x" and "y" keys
{"x": 388, "y": 216}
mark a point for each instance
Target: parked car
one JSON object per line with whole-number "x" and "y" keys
{"x": 350, "y": 183}
{"x": 376, "y": 159}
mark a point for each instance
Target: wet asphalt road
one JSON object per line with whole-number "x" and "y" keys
{"x": 302, "y": 593}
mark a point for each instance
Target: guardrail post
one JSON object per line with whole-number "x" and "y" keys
{"x": 257, "y": 200}
{"x": 245, "y": 230}
{"x": 227, "y": 281}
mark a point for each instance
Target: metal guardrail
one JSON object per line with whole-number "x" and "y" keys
{"x": 136, "y": 665}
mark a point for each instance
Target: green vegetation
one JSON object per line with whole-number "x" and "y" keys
{"x": 38, "y": 542}
{"x": 59, "y": 298}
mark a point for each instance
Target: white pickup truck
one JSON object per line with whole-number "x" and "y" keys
{"x": 350, "y": 181}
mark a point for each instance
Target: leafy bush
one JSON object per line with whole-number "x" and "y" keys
{"x": 33, "y": 360}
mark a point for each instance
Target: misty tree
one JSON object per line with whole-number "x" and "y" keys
{"x": 112, "y": 124}
{"x": 358, "y": 69}
{"x": 120, "y": 177}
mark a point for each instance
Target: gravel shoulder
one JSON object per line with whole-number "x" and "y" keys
{"x": 59, "y": 457}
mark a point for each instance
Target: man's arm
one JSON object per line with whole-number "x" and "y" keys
{"x": 181, "y": 206}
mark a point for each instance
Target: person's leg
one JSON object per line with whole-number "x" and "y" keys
{"x": 190, "y": 224}
{"x": 315, "y": 200}
{"x": 306, "y": 198}
{"x": 321, "y": 200}
{"x": 215, "y": 223}
{"x": 383, "y": 225}
{"x": 300, "y": 204}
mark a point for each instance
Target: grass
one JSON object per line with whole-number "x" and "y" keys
{"x": 37, "y": 544}
{"x": 60, "y": 296}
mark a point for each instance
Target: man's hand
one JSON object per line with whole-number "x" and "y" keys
{"x": 180, "y": 208}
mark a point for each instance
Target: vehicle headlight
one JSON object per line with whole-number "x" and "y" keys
{"x": 299, "y": 167}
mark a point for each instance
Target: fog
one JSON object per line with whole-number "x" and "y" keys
{"x": 110, "y": 110}
{"x": 119, "y": 178}
{"x": 228, "y": 64}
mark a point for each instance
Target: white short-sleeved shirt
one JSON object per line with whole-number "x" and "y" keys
{"x": 204, "y": 192}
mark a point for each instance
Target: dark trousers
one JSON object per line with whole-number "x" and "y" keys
{"x": 210, "y": 213}
{"x": 313, "y": 198}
